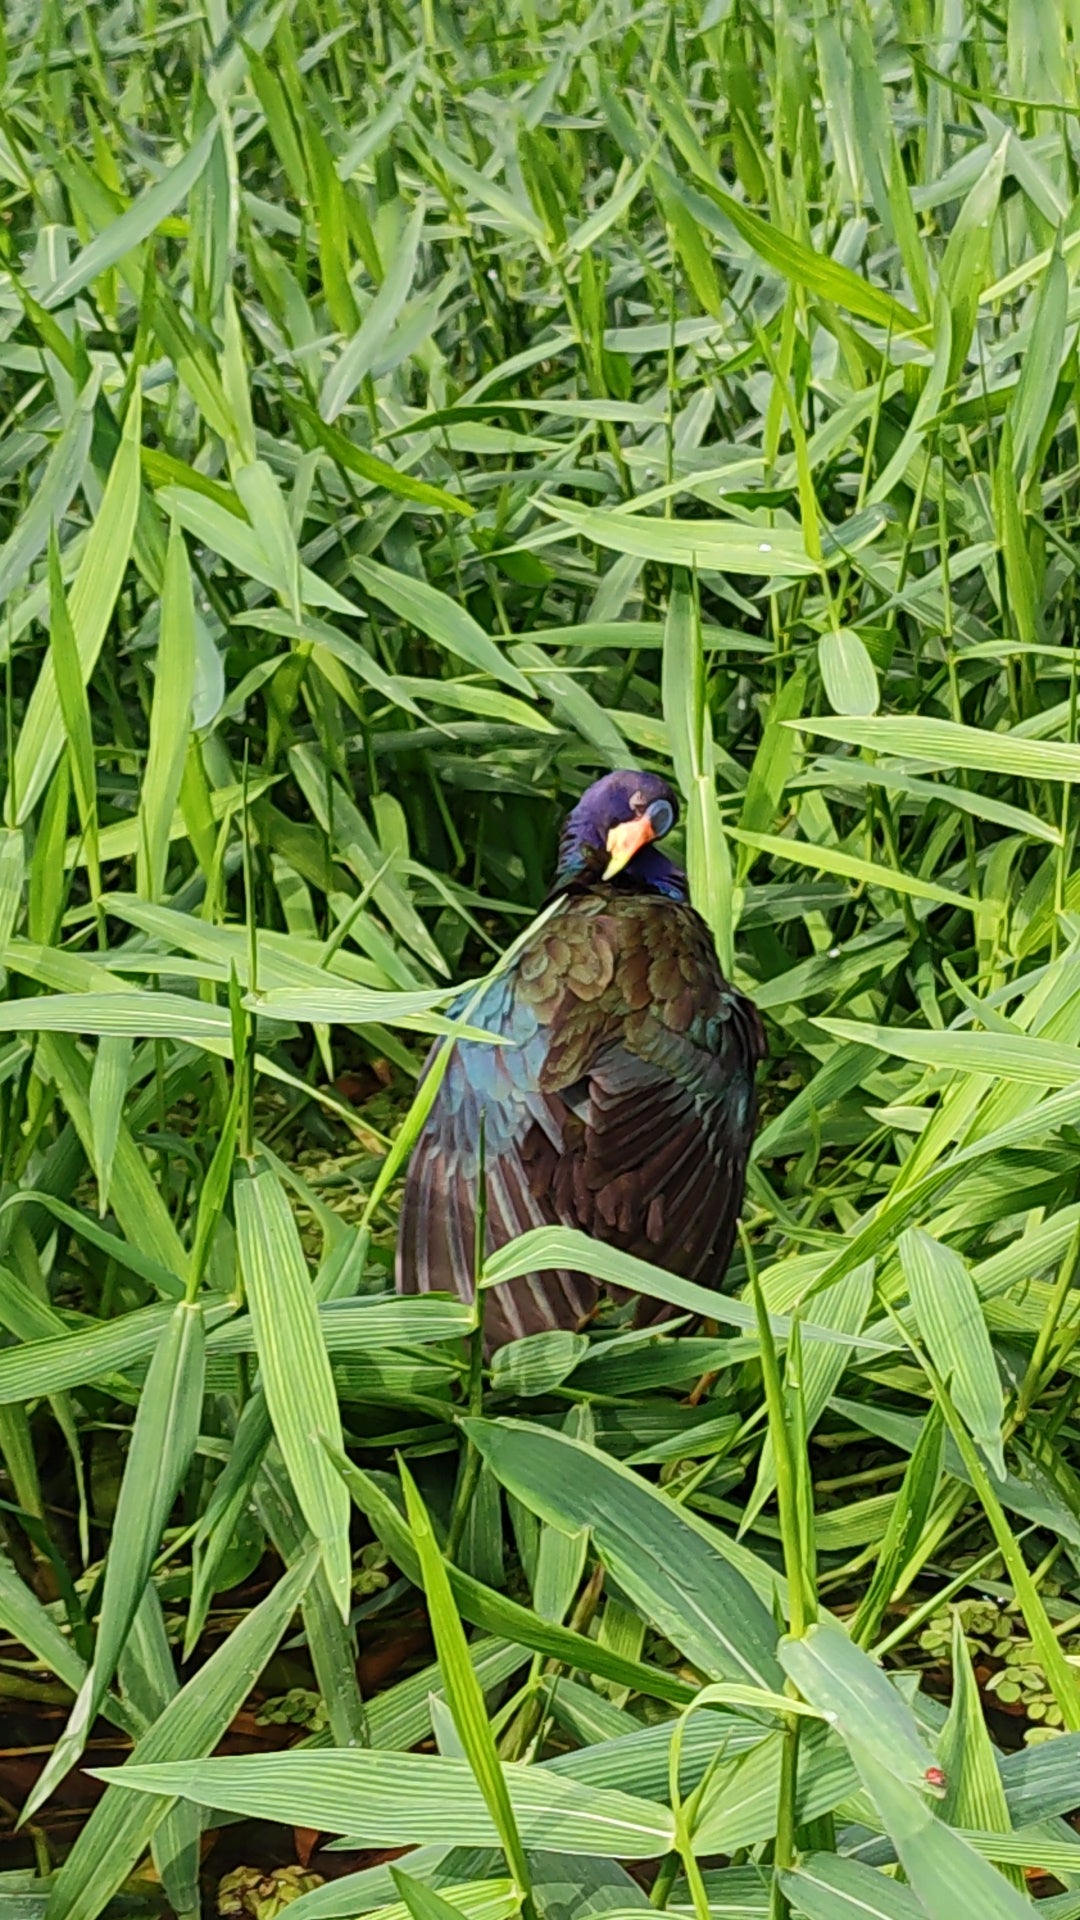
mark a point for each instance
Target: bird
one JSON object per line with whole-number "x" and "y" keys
{"x": 622, "y": 1101}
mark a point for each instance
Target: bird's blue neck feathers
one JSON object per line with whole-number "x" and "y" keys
{"x": 650, "y": 871}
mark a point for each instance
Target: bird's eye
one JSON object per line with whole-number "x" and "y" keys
{"x": 637, "y": 802}
{"x": 662, "y": 816}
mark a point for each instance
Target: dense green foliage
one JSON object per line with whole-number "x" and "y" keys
{"x": 408, "y": 413}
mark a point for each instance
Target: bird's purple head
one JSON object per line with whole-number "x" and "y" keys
{"x": 611, "y": 835}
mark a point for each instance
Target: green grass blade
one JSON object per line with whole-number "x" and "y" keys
{"x": 360, "y": 353}
{"x": 867, "y": 873}
{"x": 464, "y": 1695}
{"x": 852, "y": 1691}
{"x": 943, "y": 743}
{"x": 435, "y": 614}
{"x": 148, "y": 1677}
{"x": 497, "y": 1614}
{"x": 945, "y": 1873}
{"x": 951, "y": 1322}
{"x": 12, "y": 875}
{"x": 74, "y": 711}
{"x": 108, "y": 1090}
{"x": 412, "y": 1799}
{"x": 825, "y": 1886}
{"x": 53, "y": 496}
{"x": 134, "y": 226}
{"x": 122, "y": 1826}
{"x": 708, "y": 545}
{"x": 162, "y": 1443}
{"x": 91, "y": 602}
{"x": 690, "y": 733}
{"x": 848, "y": 673}
{"x": 974, "y": 1791}
{"x": 170, "y": 719}
{"x": 672, "y": 1572}
{"x": 294, "y": 1365}
{"x": 331, "y": 1640}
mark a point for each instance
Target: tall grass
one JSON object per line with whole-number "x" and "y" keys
{"x": 410, "y": 413}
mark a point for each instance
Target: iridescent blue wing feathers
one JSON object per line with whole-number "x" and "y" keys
{"x": 624, "y": 1106}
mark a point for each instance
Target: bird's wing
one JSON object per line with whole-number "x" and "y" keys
{"x": 623, "y": 1105}
{"x": 491, "y": 1094}
{"x": 659, "y": 1166}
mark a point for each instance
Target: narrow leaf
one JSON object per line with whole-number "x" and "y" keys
{"x": 294, "y": 1364}
{"x": 170, "y": 718}
{"x": 951, "y": 1321}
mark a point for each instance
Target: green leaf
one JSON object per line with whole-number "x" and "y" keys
{"x": 688, "y": 240}
{"x": 775, "y": 759}
{"x": 170, "y": 718}
{"x": 421, "y": 1902}
{"x": 1040, "y": 369}
{"x": 45, "y": 1366}
{"x": 538, "y": 1363}
{"x": 1060, "y": 1675}
{"x": 176, "y": 1016}
{"x": 360, "y": 353}
{"x": 26, "y": 1620}
{"x": 592, "y": 229}
{"x": 671, "y": 1570}
{"x": 844, "y": 1306}
{"x": 690, "y": 732}
{"x": 825, "y": 278}
{"x": 12, "y": 875}
{"x": 847, "y": 673}
{"x": 469, "y": 697}
{"x": 148, "y": 1677}
{"x": 509, "y": 208}
{"x": 464, "y": 1694}
{"x": 387, "y": 1800}
{"x": 368, "y": 466}
{"x": 240, "y": 544}
{"x": 911, "y": 1510}
{"x": 549, "y": 1248}
{"x": 108, "y": 1090}
{"x": 826, "y": 1886}
{"x": 846, "y": 772}
{"x": 263, "y": 501}
{"x": 135, "y": 225}
{"x": 358, "y": 1006}
{"x": 575, "y": 708}
{"x": 975, "y": 1791}
{"x": 90, "y": 604}
{"x": 74, "y": 710}
{"x": 294, "y": 1365}
{"x": 365, "y": 1325}
{"x": 434, "y": 613}
{"x": 1019, "y": 1057}
{"x": 473, "y": 1899}
{"x": 716, "y": 546}
{"x": 499, "y": 1615}
{"x": 121, "y": 1826}
{"x": 966, "y": 260}
{"x": 235, "y": 388}
{"x": 162, "y": 1443}
{"x": 866, "y": 872}
{"x": 400, "y": 1717}
{"x": 945, "y": 1873}
{"x": 330, "y": 1639}
{"x": 135, "y": 1199}
{"x": 851, "y": 1690}
{"x": 52, "y": 495}
{"x": 950, "y": 1317}
{"x": 943, "y": 743}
